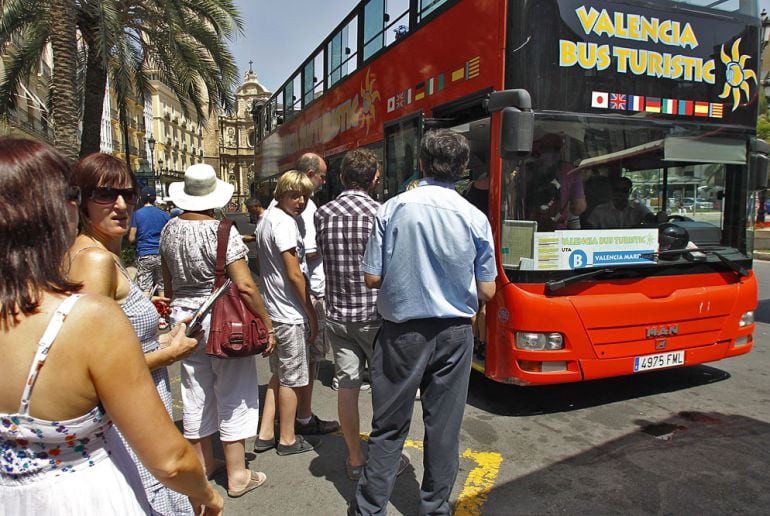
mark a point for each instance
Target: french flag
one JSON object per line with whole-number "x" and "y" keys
{"x": 635, "y": 103}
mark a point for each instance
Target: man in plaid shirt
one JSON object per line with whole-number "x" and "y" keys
{"x": 352, "y": 322}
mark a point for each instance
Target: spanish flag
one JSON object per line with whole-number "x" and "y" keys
{"x": 701, "y": 108}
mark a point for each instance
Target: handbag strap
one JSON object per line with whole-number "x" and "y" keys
{"x": 223, "y": 236}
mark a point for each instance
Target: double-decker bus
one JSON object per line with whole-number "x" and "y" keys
{"x": 618, "y": 138}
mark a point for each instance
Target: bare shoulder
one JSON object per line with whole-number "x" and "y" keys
{"x": 97, "y": 312}
{"x": 93, "y": 256}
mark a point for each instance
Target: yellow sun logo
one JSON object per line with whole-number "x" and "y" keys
{"x": 736, "y": 75}
{"x": 368, "y": 97}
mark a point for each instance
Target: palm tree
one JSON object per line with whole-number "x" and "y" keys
{"x": 24, "y": 55}
{"x": 181, "y": 42}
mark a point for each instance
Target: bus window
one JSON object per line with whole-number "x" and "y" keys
{"x": 427, "y": 7}
{"x": 402, "y": 148}
{"x": 596, "y": 176}
{"x": 374, "y": 21}
{"x": 341, "y": 52}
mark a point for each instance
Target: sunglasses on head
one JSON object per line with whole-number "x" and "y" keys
{"x": 109, "y": 195}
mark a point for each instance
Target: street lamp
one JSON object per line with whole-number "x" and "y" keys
{"x": 151, "y": 145}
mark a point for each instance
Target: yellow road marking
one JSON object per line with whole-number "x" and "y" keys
{"x": 479, "y": 483}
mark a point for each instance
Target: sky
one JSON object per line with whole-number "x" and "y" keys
{"x": 280, "y": 34}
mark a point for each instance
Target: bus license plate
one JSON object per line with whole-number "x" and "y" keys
{"x": 649, "y": 362}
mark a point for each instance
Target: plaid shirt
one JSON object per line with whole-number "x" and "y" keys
{"x": 343, "y": 227}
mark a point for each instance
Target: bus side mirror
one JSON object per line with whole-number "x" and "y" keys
{"x": 758, "y": 163}
{"x": 516, "y": 133}
{"x": 518, "y": 122}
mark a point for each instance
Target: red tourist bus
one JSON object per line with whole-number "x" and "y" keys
{"x": 614, "y": 136}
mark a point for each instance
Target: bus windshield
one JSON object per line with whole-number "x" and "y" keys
{"x": 732, "y": 6}
{"x": 596, "y": 192}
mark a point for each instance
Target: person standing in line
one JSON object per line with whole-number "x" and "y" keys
{"x": 109, "y": 189}
{"x": 217, "y": 394}
{"x": 146, "y": 225}
{"x": 314, "y": 167}
{"x": 343, "y": 227}
{"x": 72, "y": 370}
{"x": 254, "y": 209}
{"x": 431, "y": 254}
{"x": 287, "y": 299}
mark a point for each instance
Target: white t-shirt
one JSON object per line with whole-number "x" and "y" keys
{"x": 311, "y": 268}
{"x": 278, "y": 232}
{"x": 315, "y": 269}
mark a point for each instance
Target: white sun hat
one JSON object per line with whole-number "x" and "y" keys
{"x": 200, "y": 190}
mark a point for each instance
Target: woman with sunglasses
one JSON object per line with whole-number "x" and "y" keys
{"x": 109, "y": 195}
{"x": 64, "y": 381}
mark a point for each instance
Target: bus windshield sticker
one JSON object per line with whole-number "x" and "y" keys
{"x": 565, "y": 250}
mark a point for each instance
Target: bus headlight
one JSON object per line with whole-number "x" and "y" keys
{"x": 539, "y": 341}
{"x": 747, "y": 319}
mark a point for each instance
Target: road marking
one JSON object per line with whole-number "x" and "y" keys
{"x": 479, "y": 482}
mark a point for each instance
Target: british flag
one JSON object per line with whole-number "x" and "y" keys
{"x": 401, "y": 100}
{"x": 618, "y": 101}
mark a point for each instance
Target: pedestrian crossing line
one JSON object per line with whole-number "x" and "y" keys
{"x": 479, "y": 482}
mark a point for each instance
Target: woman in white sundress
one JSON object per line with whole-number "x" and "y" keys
{"x": 65, "y": 375}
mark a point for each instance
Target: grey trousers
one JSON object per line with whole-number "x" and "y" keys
{"x": 435, "y": 356}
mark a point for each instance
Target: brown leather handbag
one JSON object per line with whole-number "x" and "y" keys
{"x": 235, "y": 331}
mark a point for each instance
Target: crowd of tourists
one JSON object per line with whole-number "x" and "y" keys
{"x": 387, "y": 290}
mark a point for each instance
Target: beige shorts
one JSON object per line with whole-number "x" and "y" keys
{"x": 352, "y": 344}
{"x": 289, "y": 360}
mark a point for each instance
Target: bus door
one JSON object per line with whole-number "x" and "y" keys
{"x": 402, "y": 149}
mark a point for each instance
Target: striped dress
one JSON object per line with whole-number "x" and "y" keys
{"x": 144, "y": 318}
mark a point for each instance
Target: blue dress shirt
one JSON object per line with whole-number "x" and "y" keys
{"x": 430, "y": 246}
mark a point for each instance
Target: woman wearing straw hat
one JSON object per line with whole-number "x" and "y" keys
{"x": 217, "y": 395}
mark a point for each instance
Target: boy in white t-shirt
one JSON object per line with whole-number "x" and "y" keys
{"x": 287, "y": 300}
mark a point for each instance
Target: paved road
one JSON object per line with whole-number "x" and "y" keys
{"x": 681, "y": 441}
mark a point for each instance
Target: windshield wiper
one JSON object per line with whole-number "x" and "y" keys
{"x": 691, "y": 255}
{"x": 554, "y": 285}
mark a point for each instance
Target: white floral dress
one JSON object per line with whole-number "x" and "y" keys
{"x": 77, "y": 466}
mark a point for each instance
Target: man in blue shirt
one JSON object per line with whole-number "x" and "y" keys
{"x": 146, "y": 225}
{"x": 431, "y": 254}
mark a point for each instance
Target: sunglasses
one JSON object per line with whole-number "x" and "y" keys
{"x": 109, "y": 195}
{"x": 73, "y": 194}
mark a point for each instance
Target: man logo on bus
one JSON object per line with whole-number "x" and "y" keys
{"x": 736, "y": 75}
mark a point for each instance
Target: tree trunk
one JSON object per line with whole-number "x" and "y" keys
{"x": 122, "y": 113}
{"x": 96, "y": 82}
{"x": 64, "y": 105}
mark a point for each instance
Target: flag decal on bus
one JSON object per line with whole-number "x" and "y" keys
{"x": 638, "y": 103}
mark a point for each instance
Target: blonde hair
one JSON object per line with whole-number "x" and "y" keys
{"x": 414, "y": 183}
{"x": 293, "y": 181}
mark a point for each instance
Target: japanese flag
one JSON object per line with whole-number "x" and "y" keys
{"x": 599, "y": 99}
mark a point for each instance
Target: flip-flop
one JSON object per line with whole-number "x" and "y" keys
{"x": 219, "y": 467}
{"x": 257, "y": 479}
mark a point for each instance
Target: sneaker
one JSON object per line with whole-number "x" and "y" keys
{"x": 315, "y": 426}
{"x": 335, "y": 384}
{"x": 366, "y": 386}
{"x": 262, "y": 445}
{"x": 300, "y": 446}
{"x": 418, "y": 395}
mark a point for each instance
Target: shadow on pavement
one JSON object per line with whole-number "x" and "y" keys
{"x": 511, "y": 400}
{"x": 690, "y": 463}
{"x": 762, "y": 314}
